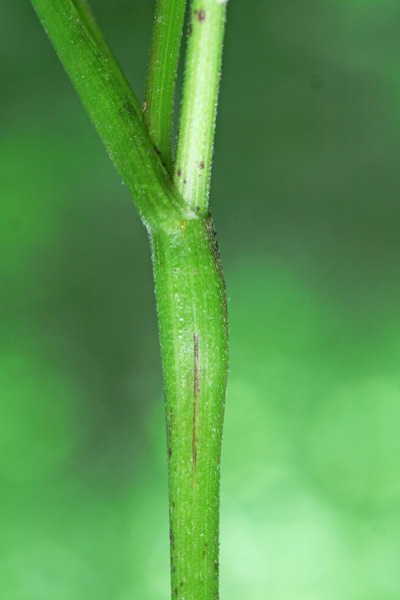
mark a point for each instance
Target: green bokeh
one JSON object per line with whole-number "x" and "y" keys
{"x": 305, "y": 198}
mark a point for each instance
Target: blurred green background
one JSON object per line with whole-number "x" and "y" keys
{"x": 305, "y": 198}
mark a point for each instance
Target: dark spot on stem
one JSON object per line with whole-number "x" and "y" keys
{"x": 130, "y": 109}
{"x": 179, "y": 172}
{"x": 201, "y": 165}
{"x": 190, "y": 29}
{"x": 176, "y": 591}
{"x": 201, "y": 15}
{"x": 157, "y": 150}
{"x": 217, "y": 258}
{"x": 181, "y": 583}
{"x": 197, "y": 208}
{"x": 169, "y": 452}
{"x": 170, "y": 424}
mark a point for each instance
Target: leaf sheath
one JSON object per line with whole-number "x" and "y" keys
{"x": 193, "y": 324}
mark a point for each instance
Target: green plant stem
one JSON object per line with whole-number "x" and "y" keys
{"x": 161, "y": 76}
{"x": 192, "y": 168}
{"x": 193, "y": 325}
{"x": 89, "y": 21}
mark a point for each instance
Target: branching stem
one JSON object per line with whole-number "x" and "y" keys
{"x": 190, "y": 289}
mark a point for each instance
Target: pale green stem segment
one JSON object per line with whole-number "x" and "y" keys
{"x": 193, "y": 325}
{"x": 161, "y": 76}
{"x": 190, "y": 292}
{"x": 112, "y": 108}
{"x": 192, "y": 169}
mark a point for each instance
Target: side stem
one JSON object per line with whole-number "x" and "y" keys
{"x": 192, "y": 169}
{"x": 161, "y": 76}
{"x": 111, "y": 105}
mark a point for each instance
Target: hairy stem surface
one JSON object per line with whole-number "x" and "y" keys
{"x": 190, "y": 290}
{"x": 192, "y": 168}
{"x": 93, "y": 29}
{"x": 161, "y": 76}
{"x": 111, "y": 106}
{"x": 193, "y": 325}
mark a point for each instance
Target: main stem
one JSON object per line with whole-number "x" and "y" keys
{"x": 193, "y": 326}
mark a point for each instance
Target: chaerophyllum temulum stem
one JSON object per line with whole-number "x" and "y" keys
{"x": 172, "y": 198}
